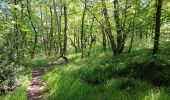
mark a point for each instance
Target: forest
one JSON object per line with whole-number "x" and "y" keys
{"x": 84, "y": 49}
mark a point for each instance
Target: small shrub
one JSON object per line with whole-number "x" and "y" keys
{"x": 7, "y": 77}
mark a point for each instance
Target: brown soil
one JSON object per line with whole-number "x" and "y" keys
{"x": 37, "y": 86}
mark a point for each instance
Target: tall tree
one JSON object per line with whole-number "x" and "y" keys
{"x": 108, "y": 28}
{"x": 42, "y": 30}
{"x": 104, "y": 40}
{"x": 118, "y": 25}
{"x": 51, "y": 29}
{"x": 58, "y": 25}
{"x": 16, "y": 30}
{"x": 157, "y": 28}
{"x": 82, "y": 29}
{"x": 65, "y": 30}
{"x": 34, "y": 28}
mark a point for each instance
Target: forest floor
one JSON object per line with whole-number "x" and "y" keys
{"x": 100, "y": 76}
{"x": 37, "y": 86}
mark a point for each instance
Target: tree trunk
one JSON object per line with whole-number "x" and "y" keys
{"x": 91, "y": 37}
{"x": 36, "y": 33}
{"x": 118, "y": 25}
{"x": 59, "y": 32}
{"x": 16, "y": 31}
{"x": 51, "y": 30}
{"x": 108, "y": 28}
{"x": 132, "y": 37}
{"x": 42, "y": 30}
{"x": 82, "y": 30}
{"x": 57, "y": 18}
{"x": 65, "y": 31}
{"x": 125, "y": 29}
{"x": 157, "y": 29}
{"x": 104, "y": 40}
{"x": 133, "y": 33}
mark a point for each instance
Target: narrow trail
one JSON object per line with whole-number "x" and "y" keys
{"x": 36, "y": 85}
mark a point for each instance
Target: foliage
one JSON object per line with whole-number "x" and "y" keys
{"x": 7, "y": 74}
{"x": 117, "y": 49}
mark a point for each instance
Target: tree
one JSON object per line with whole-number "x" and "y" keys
{"x": 118, "y": 26}
{"x": 34, "y": 28}
{"x": 51, "y": 29}
{"x": 65, "y": 31}
{"x": 16, "y": 30}
{"x": 157, "y": 29}
{"x": 42, "y": 30}
{"x": 82, "y": 29}
{"x": 108, "y": 28}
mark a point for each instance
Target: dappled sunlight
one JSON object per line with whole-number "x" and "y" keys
{"x": 153, "y": 95}
{"x": 167, "y": 40}
{"x": 84, "y": 50}
{"x": 51, "y": 79}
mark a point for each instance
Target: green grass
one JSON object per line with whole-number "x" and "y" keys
{"x": 21, "y": 92}
{"x": 92, "y": 79}
{"x": 99, "y": 78}
{"x": 102, "y": 76}
{"x": 36, "y": 63}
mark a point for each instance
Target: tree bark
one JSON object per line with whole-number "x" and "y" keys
{"x": 42, "y": 30}
{"x": 132, "y": 38}
{"x": 51, "y": 30}
{"x": 82, "y": 30}
{"x": 92, "y": 40}
{"x": 104, "y": 40}
{"x": 108, "y": 28}
{"x": 125, "y": 29}
{"x": 16, "y": 31}
{"x": 36, "y": 33}
{"x": 157, "y": 28}
{"x": 118, "y": 25}
{"x": 65, "y": 31}
{"x": 59, "y": 32}
{"x": 57, "y": 19}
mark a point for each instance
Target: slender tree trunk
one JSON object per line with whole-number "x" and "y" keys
{"x": 132, "y": 38}
{"x": 104, "y": 40}
{"x": 78, "y": 42}
{"x": 108, "y": 28}
{"x": 15, "y": 25}
{"x": 157, "y": 29}
{"x": 22, "y": 45}
{"x": 51, "y": 30}
{"x": 133, "y": 32}
{"x": 42, "y": 30}
{"x": 16, "y": 31}
{"x": 36, "y": 33}
{"x": 65, "y": 31}
{"x": 74, "y": 41}
{"x": 58, "y": 42}
{"x": 47, "y": 36}
{"x": 118, "y": 25}
{"x": 82, "y": 30}
{"x": 125, "y": 30}
{"x": 91, "y": 37}
{"x": 59, "y": 32}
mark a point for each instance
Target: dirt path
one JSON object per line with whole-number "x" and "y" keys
{"x": 37, "y": 86}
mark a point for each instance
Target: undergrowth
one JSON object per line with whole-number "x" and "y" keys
{"x": 103, "y": 77}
